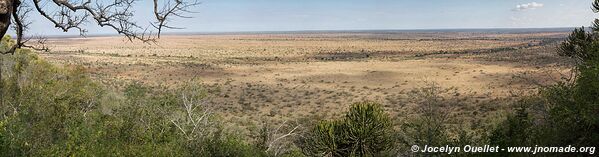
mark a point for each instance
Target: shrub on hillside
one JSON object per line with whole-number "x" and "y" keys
{"x": 366, "y": 130}
{"x": 434, "y": 122}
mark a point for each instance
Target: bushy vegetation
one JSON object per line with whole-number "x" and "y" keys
{"x": 59, "y": 111}
{"x": 366, "y": 130}
{"x": 434, "y": 122}
{"x": 566, "y": 113}
{"x": 563, "y": 114}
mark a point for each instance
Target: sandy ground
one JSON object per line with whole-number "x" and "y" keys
{"x": 283, "y": 76}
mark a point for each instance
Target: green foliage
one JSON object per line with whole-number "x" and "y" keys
{"x": 6, "y": 42}
{"x": 578, "y": 45}
{"x": 432, "y": 124}
{"x": 366, "y": 130}
{"x": 59, "y": 111}
{"x": 515, "y": 130}
{"x": 565, "y": 113}
{"x": 44, "y": 105}
{"x": 573, "y": 109}
{"x": 323, "y": 140}
{"x": 225, "y": 145}
{"x": 430, "y": 127}
{"x": 277, "y": 141}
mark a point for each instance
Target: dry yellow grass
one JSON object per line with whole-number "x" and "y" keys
{"x": 283, "y": 76}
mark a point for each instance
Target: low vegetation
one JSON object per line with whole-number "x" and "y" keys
{"x": 59, "y": 111}
{"x": 49, "y": 110}
{"x": 366, "y": 130}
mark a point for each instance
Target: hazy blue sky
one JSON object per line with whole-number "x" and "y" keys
{"x": 284, "y": 15}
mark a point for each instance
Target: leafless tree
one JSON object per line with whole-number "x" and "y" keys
{"x": 276, "y": 142}
{"x": 195, "y": 120}
{"x": 75, "y": 14}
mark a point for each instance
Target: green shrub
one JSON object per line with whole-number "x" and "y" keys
{"x": 323, "y": 140}
{"x": 366, "y": 130}
{"x": 516, "y": 130}
{"x": 222, "y": 144}
{"x": 436, "y": 121}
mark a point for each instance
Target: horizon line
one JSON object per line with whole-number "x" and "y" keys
{"x": 486, "y": 29}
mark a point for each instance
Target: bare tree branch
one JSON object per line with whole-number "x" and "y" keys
{"x": 274, "y": 142}
{"x": 178, "y": 9}
{"x": 39, "y": 44}
{"x": 75, "y": 14}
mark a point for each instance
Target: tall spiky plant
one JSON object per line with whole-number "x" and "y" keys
{"x": 366, "y": 130}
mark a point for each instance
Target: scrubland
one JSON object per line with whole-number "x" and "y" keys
{"x": 286, "y": 76}
{"x": 298, "y": 94}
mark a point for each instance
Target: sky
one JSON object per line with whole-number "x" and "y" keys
{"x": 297, "y": 15}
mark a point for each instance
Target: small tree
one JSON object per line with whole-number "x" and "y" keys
{"x": 574, "y": 106}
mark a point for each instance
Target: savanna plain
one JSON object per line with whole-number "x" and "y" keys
{"x": 284, "y": 77}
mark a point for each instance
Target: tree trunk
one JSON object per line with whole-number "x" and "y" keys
{"x": 1, "y": 81}
{"x": 6, "y": 8}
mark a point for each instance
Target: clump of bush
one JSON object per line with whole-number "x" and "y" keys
{"x": 433, "y": 110}
{"x": 366, "y": 130}
{"x": 436, "y": 120}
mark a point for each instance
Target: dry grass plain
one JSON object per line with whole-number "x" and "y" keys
{"x": 295, "y": 75}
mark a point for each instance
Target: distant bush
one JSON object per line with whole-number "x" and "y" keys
{"x": 366, "y": 130}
